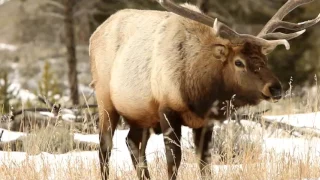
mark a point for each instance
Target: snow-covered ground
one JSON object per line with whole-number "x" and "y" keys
{"x": 309, "y": 120}
{"x": 120, "y": 158}
{"x": 4, "y": 46}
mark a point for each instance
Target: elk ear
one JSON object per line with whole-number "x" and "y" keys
{"x": 220, "y": 52}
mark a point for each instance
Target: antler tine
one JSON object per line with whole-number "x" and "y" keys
{"x": 220, "y": 28}
{"x": 199, "y": 17}
{"x": 225, "y": 32}
{"x": 279, "y": 35}
{"x": 276, "y": 22}
{"x": 187, "y": 13}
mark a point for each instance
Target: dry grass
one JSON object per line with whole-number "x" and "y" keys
{"x": 244, "y": 159}
{"x": 269, "y": 166}
{"x": 300, "y": 100}
{"x": 238, "y": 154}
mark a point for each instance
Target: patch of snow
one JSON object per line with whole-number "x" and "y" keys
{"x": 296, "y": 147}
{"x": 90, "y": 138}
{"x": 51, "y": 161}
{"x": 48, "y": 114}
{"x": 10, "y": 136}
{"x": 4, "y": 46}
{"x": 120, "y": 156}
{"x": 85, "y": 89}
{"x": 12, "y": 158}
{"x": 65, "y": 117}
{"x": 20, "y": 93}
{"x": 311, "y": 120}
{"x": 26, "y": 95}
{"x": 68, "y": 117}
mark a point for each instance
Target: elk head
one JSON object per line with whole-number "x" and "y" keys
{"x": 246, "y": 74}
{"x": 245, "y": 71}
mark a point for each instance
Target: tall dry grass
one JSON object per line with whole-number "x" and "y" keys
{"x": 237, "y": 153}
{"x": 268, "y": 167}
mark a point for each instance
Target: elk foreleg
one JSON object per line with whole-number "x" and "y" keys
{"x": 202, "y": 137}
{"x": 170, "y": 122}
{"x": 137, "y": 141}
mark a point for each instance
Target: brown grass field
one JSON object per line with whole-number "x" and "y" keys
{"x": 243, "y": 159}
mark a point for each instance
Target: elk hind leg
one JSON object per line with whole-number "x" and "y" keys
{"x": 108, "y": 120}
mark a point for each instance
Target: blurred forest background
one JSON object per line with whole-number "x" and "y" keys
{"x": 44, "y": 43}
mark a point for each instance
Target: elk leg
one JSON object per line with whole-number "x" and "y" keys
{"x": 137, "y": 142}
{"x": 202, "y": 137}
{"x": 108, "y": 125}
{"x": 170, "y": 122}
{"x": 107, "y": 128}
{"x": 108, "y": 120}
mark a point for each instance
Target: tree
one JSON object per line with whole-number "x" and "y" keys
{"x": 71, "y": 50}
{"x": 203, "y": 5}
{"x": 5, "y": 93}
{"x": 48, "y": 86}
{"x": 64, "y": 10}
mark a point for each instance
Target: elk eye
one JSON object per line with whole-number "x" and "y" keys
{"x": 239, "y": 63}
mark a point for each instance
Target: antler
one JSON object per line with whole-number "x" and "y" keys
{"x": 222, "y": 29}
{"x": 276, "y": 22}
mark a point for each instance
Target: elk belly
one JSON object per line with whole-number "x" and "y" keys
{"x": 134, "y": 101}
{"x": 136, "y": 110}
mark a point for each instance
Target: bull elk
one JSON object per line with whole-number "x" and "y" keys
{"x": 167, "y": 69}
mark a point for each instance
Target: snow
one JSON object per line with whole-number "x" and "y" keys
{"x": 120, "y": 156}
{"x": 89, "y": 138}
{"x": 56, "y": 162}
{"x": 66, "y": 117}
{"x": 25, "y": 95}
{"x": 4, "y": 46}
{"x": 10, "y": 136}
{"x": 48, "y": 114}
{"x": 310, "y": 120}
{"x": 15, "y": 85}
{"x": 295, "y": 147}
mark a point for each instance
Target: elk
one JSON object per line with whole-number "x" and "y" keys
{"x": 165, "y": 69}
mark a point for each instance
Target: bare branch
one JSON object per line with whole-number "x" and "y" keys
{"x": 53, "y": 15}
{"x": 224, "y": 11}
{"x": 55, "y": 4}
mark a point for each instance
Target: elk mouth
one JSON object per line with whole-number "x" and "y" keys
{"x": 265, "y": 97}
{"x": 273, "y": 99}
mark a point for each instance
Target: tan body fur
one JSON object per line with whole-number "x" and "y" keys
{"x": 139, "y": 64}
{"x": 163, "y": 70}
{"x": 159, "y": 69}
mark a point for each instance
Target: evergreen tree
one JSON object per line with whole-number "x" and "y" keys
{"x": 48, "y": 86}
{"x": 5, "y": 93}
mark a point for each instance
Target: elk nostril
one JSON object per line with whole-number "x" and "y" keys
{"x": 276, "y": 91}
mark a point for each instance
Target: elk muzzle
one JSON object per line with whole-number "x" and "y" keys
{"x": 272, "y": 91}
